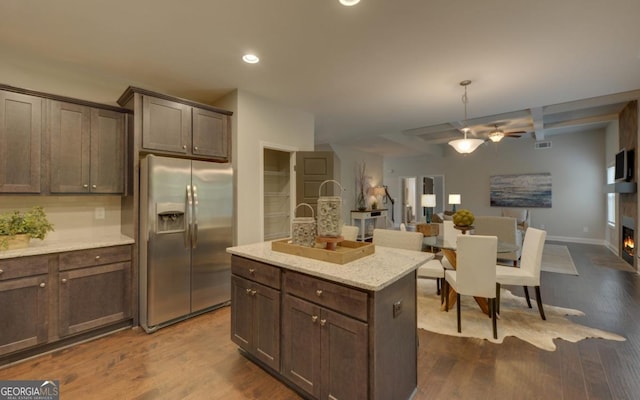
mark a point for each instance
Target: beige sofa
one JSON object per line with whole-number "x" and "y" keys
{"x": 506, "y": 229}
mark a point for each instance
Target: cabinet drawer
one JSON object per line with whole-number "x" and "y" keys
{"x": 19, "y": 267}
{"x": 256, "y": 271}
{"x": 91, "y": 257}
{"x": 349, "y": 301}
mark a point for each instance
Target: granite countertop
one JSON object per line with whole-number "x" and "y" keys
{"x": 48, "y": 246}
{"x": 373, "y": 272}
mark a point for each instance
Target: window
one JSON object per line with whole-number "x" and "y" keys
{"x": 611, "y": 198}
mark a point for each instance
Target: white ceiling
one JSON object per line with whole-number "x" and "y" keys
{"x": 382, "y": 75}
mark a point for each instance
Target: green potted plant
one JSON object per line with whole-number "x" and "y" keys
{"x": 16, "y": 228}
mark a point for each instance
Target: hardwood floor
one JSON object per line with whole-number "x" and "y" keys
{"x": 196, "y": 359}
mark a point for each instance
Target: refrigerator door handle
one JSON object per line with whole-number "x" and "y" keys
{"x": 194, "y": 234}
{"x": 187, "y": 231}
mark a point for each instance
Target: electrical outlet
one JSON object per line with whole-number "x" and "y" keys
{"x": 397, "y": 308}
{"x": 98, "y": 213}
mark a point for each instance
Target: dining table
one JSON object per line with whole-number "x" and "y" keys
{"x": 448, "y": 247}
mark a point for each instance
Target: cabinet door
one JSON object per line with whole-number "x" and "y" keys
{"x": 210, "y": 134}
{"x": 69, "y": 128}
{"x": 20, "y": 138}
{"x": 241, "y": 312}
{"x": 255, "y": 320}
{"x": 24, "y": 304}
{"x": 107, "y": 151}
{"x": 301, "y": 344}
{"x": 93, "y": 297}
{"x": 166, "y": 125}
{"x": 266, "y": 325}
{"x": 344, "y": 344}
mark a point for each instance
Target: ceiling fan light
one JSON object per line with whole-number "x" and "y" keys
{"x": 465, "y": 146}
{"x": 496, "y": 136}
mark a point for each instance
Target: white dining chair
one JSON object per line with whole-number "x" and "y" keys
{"x": 433, "y": 269}
{"x": 350, "y": 232}
{"x": 398, "y": 239}
{"x": 475, "y": 273}
{"x": 406, "y": 240}
{"x": 506, "y": 229}
{"x": 529, "y": 272}
{"x": 449, "y": 233}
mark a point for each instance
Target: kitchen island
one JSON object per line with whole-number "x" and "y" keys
{"x": 329, "y": 330}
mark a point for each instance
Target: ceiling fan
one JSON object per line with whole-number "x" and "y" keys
{"x": 498, "y": 134}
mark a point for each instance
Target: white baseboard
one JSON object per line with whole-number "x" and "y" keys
{"x": 569, "y": 239}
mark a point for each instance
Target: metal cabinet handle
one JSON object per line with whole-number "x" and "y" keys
{"x": 1, "y": 271}
{"x": 85, "y": 186}
{"x": 64, "y": 280}
{"x": 319, "y": 292}
{"x": 314, "y": 318}
{"x": 252, "y": 271}
{"x": 253, "y": 292}
{"x": 43, "y": 284}
{"x": 248, "y": 291}
{"x": 184, "y": 146}
{"x": 322, "y": 322}
{"x": 97, "y": 257}
{"x": 94, "y": 186}
{"x": 195, "y": 147}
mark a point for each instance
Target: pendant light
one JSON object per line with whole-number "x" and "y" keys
{"x": 465, "y": 146}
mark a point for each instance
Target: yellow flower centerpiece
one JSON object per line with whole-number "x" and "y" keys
{"x": 463, "y": 218}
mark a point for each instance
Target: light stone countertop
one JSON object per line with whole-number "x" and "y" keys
{"x": 47, "y": 246}
{"x": 373, "y": 272}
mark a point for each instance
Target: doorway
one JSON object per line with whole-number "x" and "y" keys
{"x": 434, "y": 184}
{"x": 277, "y": 167}
{"x": 408, "y": 200}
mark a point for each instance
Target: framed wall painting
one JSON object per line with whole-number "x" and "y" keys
{"x": 521, "y": 190}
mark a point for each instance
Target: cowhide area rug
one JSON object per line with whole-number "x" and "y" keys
{"x": 516, "y": 319}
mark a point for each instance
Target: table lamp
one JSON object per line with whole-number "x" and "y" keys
{"x": 378, "y": 192}
{"x": 453, "y": 200}
{"x": 428, "y": 201}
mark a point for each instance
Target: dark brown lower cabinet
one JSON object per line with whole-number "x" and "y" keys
{"x": 24, "y": 313}
{"x": 24, "y": 301}
{"x": 93, "y": 297}
{"x": 255, "y": 324}
{"x": 47, "y": 298}
{"x": 324, "y": 352}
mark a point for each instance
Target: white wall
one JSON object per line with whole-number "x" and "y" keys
{"x": 576, "y": 162}
{"x": 256, "y": 121}
{"x": 349, "y": 160}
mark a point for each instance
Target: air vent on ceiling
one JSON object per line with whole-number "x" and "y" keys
{"x": 543, "y": 144}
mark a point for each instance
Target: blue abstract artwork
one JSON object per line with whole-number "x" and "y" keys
{"x": 522, "y": 190}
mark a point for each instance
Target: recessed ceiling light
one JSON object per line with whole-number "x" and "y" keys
{"x": 349, "y": 3}
{"x": 250, "y": 58}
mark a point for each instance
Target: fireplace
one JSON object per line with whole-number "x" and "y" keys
{"x": 627, "y": 239}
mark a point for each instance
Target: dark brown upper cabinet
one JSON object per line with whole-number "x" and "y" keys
{"x": 20, "y": 142}
{"x": 87, "y": 149}
{"x": 175, "y": 126}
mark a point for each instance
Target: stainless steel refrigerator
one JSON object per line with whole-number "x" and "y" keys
{"x": 186, "y": 211}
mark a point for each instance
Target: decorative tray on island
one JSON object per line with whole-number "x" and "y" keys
{"x": 346, "y": 251}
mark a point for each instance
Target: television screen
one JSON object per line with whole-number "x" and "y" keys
{"x": 621, "y": 166}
